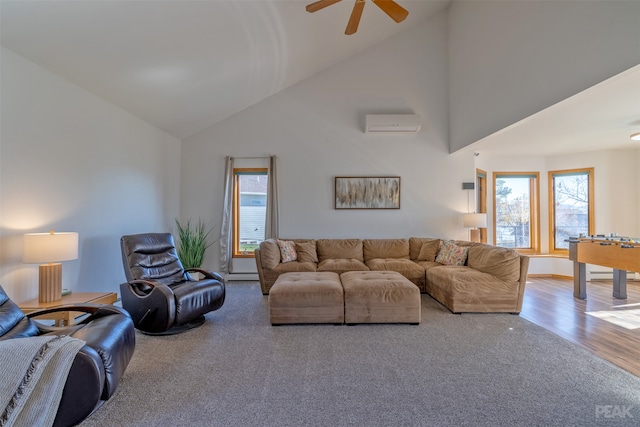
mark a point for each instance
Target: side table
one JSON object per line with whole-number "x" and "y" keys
{"x": 65, "y": 318}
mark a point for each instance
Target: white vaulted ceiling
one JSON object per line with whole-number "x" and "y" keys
{"x": 184, "y": 65}
{"x": 602, "y": 117}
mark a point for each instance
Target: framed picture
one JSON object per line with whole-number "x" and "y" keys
{"x": 367, "y": 192}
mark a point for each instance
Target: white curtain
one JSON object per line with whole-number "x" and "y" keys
{"x": 226, "y": 235}
{"x": 271, "y": 230}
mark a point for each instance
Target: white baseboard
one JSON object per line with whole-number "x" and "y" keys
{"x": 595, "y": 275}
{"x": 241, "y": 276}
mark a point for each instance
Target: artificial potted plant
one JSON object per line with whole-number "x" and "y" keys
{"x": 193, "y": 243}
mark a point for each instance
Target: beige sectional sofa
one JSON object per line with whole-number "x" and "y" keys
{"x": 492, "y": 279}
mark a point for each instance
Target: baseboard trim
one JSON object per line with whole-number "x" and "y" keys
{"x": 230, "y": 277}
{"x": 553, "y": 276}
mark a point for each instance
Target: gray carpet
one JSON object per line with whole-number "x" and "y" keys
{"x": 470, "y": 369}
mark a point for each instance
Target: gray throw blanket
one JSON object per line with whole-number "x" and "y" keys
{"x": 33, "y": 372}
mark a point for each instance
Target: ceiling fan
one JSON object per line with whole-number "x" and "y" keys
{"x": 390, "y": 7}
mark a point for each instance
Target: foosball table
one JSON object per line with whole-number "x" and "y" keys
{"x": 621, "y": 254}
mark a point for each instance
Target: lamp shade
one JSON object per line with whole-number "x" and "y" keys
{"x": 475, "y": 220}
{"x": 49, "y": 247}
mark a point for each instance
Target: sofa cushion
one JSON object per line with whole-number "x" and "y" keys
{"x": 463, "y": 289}
{"x": 380, "y": 297}
{"x": 415, "y": 245}
{"x": 306, "y": 298}
{"x": 287, "y": 250}
{"x": 502, "y": 263}
{"x": 269, "y": 254}
{"x": 385, "y": 248}
{"x": 306, "y": 251}
{"x": 427, "y": 264}
{"x": 341, "y": 265}
{"x": 452, "y": 254}
{"x": 339, "y": 249}
{"x": 406, "y": 267}
{"x": 429, "y": 250}
{"x": 465, "y": 280}
{"x": 295, "y": 266}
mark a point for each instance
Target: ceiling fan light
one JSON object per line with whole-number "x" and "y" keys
{"x": 635, "y": 136}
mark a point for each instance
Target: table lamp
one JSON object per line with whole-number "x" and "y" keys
{"x": 48, "y": 249}
{"x": 475, "y": 221}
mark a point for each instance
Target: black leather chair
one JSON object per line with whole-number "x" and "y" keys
{"x": 160, "y": 294}
{"x": 99, "y": 365}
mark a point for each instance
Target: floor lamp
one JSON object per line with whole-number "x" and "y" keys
{"x": 475, "y": 221}
{"x": 48, "y": 249}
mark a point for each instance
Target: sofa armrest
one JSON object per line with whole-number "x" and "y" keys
{"x": 110, "y": 342}
{"x": 113, "y": 338}
{"x": 82, "y": 392}
{"x": 263, "y": 286}
{"x": 96, "y": 310}
{"x": 151, "y": 308}
{"x": 524, "y": 269}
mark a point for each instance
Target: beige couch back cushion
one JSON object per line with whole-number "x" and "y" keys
{"x": 385, "y": 248}
{"x": 339, "y": 249}
{"x": 502, "y": 263}
{"x": 429, "y": 250}
{"x": 306, "y": 250}
{"x": 269, "y": 254}
{"x": 415, "y": 246}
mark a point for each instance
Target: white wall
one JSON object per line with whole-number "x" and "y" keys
{"x": 616, "y": 186}
{"x": 554, "y": 50}
{"x": 73, "y": 162}
{"x": 616, "y": 193}
{"x": 492, "y": 163}
{"x": 637, "y": 168}
{"x": 316, "y": 130}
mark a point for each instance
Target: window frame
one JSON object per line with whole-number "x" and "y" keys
{"x": 534, "y": 209}
{"x": 481, "y": 198}
{"x": 552, "y": 205}
{"x": 237, "y": 172}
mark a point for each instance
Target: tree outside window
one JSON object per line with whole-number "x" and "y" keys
{"x": 571, "y": 201}
{"x": 516, "y": 212}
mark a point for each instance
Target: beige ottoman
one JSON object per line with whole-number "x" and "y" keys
{"x": 306, "y": 297}
{"x": 380, "y": 297}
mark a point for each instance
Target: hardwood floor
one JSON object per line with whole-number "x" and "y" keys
{"x": 611, "y": 330}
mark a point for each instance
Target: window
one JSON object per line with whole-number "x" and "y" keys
{"x": 249, "y": 209}
{"x": 570, "y": 206}
{"x": 516, "y": 220}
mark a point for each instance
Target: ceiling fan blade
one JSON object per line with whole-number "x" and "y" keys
{"x": 354, "y": 20}
{"x": 313, "y": 7}
{"x": 393, "y": 9}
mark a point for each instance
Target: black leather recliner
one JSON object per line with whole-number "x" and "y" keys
{"x": 160, "y": 294}
{"x": 99, "y": 365}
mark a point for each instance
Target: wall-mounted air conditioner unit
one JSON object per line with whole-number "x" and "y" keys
{"x": 392, "y": 123}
